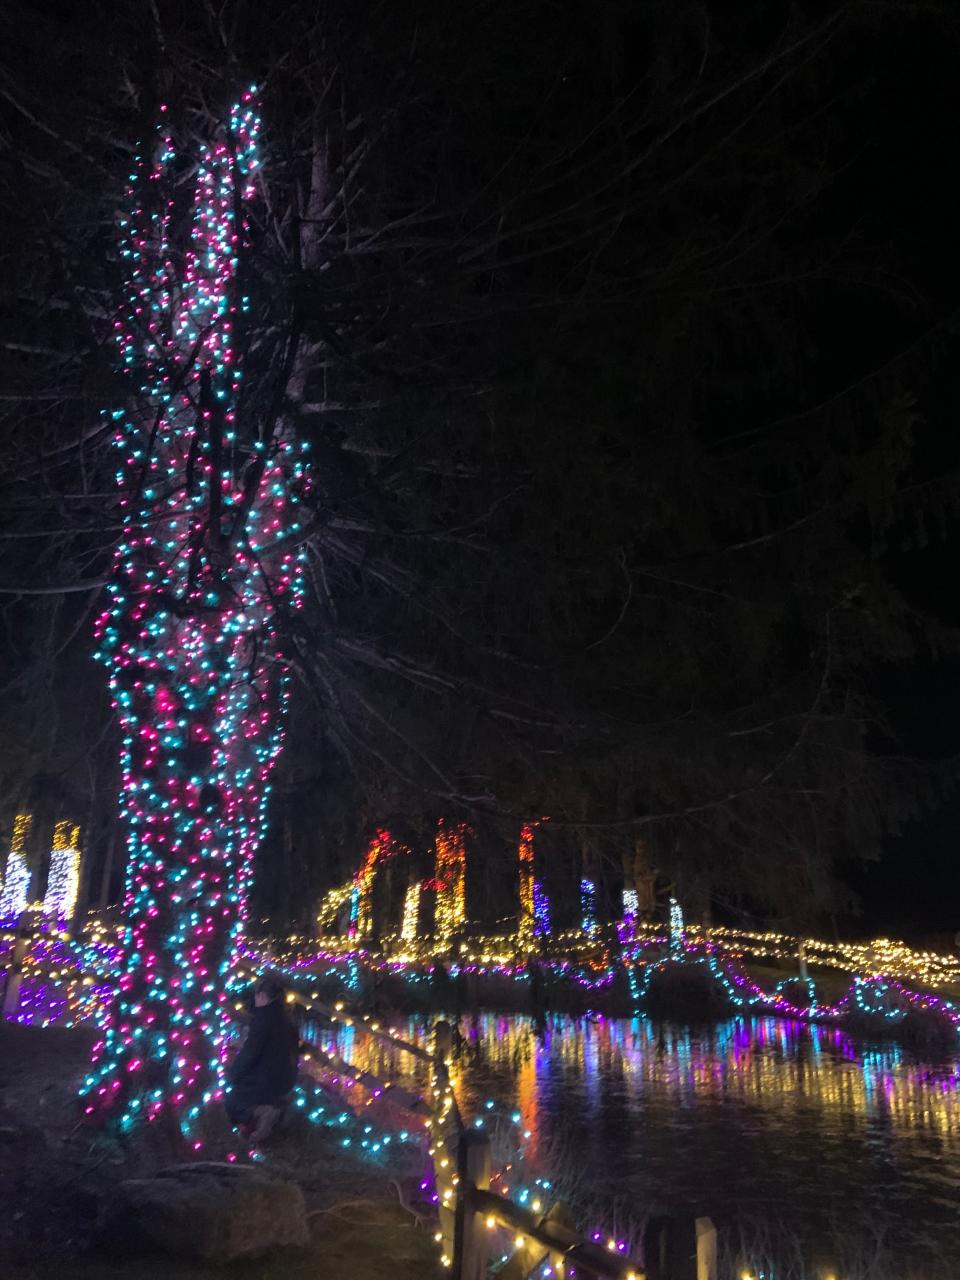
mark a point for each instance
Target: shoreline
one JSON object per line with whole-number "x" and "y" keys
{"x": 679, "y": 992}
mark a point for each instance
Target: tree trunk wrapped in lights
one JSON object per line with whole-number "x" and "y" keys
{"x": 410, "y": 922}
{"x": 208, "y": 561}
{"x": 63, "y": 879}
{"x": 451, "y": 877}
{"x": 380, "y": 848}
{"x": 16, "y": 880}
{"x": 525, "y": 857}
{"x": 534, "y": 918}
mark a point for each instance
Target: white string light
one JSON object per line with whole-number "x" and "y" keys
{"x": 63, "y": 880}
{"x": 13, "y": 899}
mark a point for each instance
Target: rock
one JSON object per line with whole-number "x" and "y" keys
{"x": 205, "y": 1212}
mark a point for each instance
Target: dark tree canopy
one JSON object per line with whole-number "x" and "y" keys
{"x": 623, "y": 352}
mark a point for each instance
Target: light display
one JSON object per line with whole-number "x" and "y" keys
{"x": 381, "y": 847}
{"x": 588, "y": 905}
{"x": 534, "y": 919}
{"x": 525, "y": 857}
{"x": 63, "y": 879}
{"x": 332, "y": 904}
{"x": 676, "y": 924}
{"x": 451, "y": 870}
{"x": 631, "y": 906}
{"x": 880, "y": 956}
{"x": 541, "y": 910}
{"x": 54, "y": 961}
{"x": 411, "y": 912}
{"x": 762, "y": 1063}
{"x": 354, "y": 925}
{"x": 13, "y": 899}
{"x": 207, "y": 563}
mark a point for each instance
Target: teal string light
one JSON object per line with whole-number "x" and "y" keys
{"x": 588, "y": 905}
{"x": 203, "y": 571}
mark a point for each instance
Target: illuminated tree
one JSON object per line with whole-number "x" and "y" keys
{"x": 63, "y": 879}
{"x": 381, "y": 847}
{"x": 16, "y": 881}
{"x": 207, "y": 563}
{"x": 451, "y": 878}
{"x": 534, "y": 919}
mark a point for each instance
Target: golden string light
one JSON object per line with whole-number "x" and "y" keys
{"x": 451, "y": 860}
{"x": 880, "y": 956}
{"x": 525, "y": 855}
{"x": 21, "y": 829}
{"x": 411, "y": 912}
{"x": 381, "y": 847}
{"x": 330, "y": 905}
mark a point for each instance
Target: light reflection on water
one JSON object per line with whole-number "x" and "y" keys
{"x": 751, "y": 1119}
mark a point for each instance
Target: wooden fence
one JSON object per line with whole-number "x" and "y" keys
{"x": 469, "y": 1212}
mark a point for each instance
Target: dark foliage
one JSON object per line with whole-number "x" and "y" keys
{"x": 622, "y": 354}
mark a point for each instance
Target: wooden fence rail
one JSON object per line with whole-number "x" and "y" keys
{"x": 676, "y": 1249}
{"x": 468, "y": 1210}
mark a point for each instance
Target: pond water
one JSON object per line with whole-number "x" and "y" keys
{"x": 803, "y": 1141}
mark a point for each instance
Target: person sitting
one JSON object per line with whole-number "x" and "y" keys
{"x": 265, "y": 1070}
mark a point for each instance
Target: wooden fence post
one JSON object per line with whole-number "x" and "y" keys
{"x": 470, "y": 1244}
{"x": 442, "y": 1041}
{"x": 706, "y": 1249}
{"x": 680, "y": 1248}
{"x": 802, "y": 960}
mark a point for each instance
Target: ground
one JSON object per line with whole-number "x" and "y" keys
{"x": 54, "y": 1174}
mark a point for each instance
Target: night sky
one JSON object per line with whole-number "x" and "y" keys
{"x": 903, "y": 191}
{"x": 878, "y": 295}
{"x": 909, "y": 192}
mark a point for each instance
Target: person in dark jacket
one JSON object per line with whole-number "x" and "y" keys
{"x": 265, "y": 1070}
